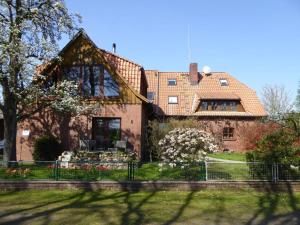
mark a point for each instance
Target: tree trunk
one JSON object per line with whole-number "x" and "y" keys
{"x": 10, "y": 131}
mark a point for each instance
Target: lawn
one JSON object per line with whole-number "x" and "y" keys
{"x": 202, "y": 207}
{"x": 237, "y": 156}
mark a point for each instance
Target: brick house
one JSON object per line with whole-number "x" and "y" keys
{"x": 116, "y": 86}
{"x": 125, "y": 94}
{"x": 223, "y": 104}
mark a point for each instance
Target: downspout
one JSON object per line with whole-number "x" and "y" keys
{"x": 157, "y": 108}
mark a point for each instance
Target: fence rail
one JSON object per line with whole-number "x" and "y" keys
{"x": 140, "y": 171}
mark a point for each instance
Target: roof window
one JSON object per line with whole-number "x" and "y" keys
{"x": 172, "y": 82}
{"x": 224, "y": 82}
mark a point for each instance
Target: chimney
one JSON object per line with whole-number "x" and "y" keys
{"x": 194, "y": 75}
{"x": 114, "y": 48}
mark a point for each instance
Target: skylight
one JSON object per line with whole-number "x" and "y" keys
{"x": 224, "y": 82}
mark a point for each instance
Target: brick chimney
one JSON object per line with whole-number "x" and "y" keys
{"x": 194, "y": 75}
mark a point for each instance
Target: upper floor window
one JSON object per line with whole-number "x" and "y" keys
{"x": 172, "y": 82}
{"x": 95, "y": 80}
{"x": 72, "y": 73}
{"x": 223, "y": 106}
{"x": 219, "y": 105}
{"x": 223, "y": 82}
{"x": 172, "y": 99}
{"x": 233, "y": 106}
{"x": 150, "y": 96}
{"x": 204, "y": 106}
{"x": 111, "y": 88}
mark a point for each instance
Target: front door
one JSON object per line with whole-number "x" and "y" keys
{"x": 106, "y": 131}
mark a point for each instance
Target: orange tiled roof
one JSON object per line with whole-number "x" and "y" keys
{"x": 131, "y": 71}
{"x": 209, "y": 87}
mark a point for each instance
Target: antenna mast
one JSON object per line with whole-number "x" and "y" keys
{"x": 189, "y": 44}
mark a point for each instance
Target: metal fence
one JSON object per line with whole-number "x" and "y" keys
{"x": 140, "y": 171}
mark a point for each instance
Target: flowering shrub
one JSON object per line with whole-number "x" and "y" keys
{"x": 186, "y": 145}
{"x": 101, "y": 168}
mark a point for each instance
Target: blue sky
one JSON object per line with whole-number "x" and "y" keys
{"x": 257, "y": 41}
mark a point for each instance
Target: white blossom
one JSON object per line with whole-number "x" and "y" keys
{"x": 186, "y": 145}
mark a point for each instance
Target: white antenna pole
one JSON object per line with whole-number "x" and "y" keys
{"x": 189, "y": 44}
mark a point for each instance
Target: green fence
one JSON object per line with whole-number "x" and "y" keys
{"x": 140, "y": 171}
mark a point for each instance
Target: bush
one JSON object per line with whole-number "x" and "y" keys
{"x": 158, "y": 130}
{"x": 46, "y": 148}
{"x": 277, "y": 147}
{"x": 251, "y": 139}
{"x": 186, "y": 145}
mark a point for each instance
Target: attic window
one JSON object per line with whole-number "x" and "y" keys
{"x": 223, "y": 82}
{"x": 172, "y": 82}
{"x": 172, "y": 100}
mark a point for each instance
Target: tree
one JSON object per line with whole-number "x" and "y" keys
{"x": 298, "y": 98}
{"x": 276, "y": 100}
{"x": 29, "y": 32}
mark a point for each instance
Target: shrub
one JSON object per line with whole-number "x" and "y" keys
{"x": 46, "y": 148}
{"x": 251, "y": 139}
{"x": 158, "y": 130}
{"x": 277, "y": 147}
{"x": 186, "y": 145}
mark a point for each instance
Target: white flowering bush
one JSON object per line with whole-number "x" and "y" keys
{"x": 186, "y": 145}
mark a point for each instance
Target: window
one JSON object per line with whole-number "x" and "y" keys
{"x": 223, "y": 82}
{"x": 91, "y": 80}
{"x": 233, "y": 106}
{"x": 220, "y": 105}
{"x": 111, "y": 88}
{"x": 150, "y": 96}
{"x": 228, "y": 132}
{"x": 204, "y": 106}
{"x": 72, "y": 73}
{"x": 223, "y": 106}
{"x": 172, "y": 100}
{"x": 106, "y": 131}
{"x": 96, "y": 80}
{"x": 172, "y": 82}
{"x": 214, "y": 106}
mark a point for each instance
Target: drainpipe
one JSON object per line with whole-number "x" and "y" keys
{"x": 157, "y": 108}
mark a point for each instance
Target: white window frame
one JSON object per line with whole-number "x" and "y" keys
{"x": 224, "y": 82}
{"x": 172, "y": 99}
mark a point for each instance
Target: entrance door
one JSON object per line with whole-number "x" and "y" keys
{"x": 106, "y": 131}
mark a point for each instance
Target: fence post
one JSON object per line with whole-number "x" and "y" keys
{"x": 274, "y": 172}
{"x": 206, "y": 172}
{"x": 56, "y": 170}
{"x": 130, "y": 171}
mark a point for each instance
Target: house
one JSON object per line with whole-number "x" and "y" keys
{"x": 116, "y": 87}
{"x": 223, "y": 104}
{"x": 124, "y": 95}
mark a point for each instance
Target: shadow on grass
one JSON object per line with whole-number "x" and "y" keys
{"x": 271, "y": 200}
{"x": 128, "y": 204}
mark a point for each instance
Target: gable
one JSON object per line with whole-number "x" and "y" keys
{"x": 82, "y": 51}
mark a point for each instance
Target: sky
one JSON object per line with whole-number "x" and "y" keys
{"x": 256, "y": 41}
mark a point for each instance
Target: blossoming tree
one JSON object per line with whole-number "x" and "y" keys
{"x": 186, "y": 145}
{"x": 29, "y": 34}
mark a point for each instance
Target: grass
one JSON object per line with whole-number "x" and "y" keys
{"x": 202, "y": 207}
{"x": 237, "y": 156}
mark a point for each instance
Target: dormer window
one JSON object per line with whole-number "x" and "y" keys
{"x": 172, "y": 82}
{"x": 224, "y": 82}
